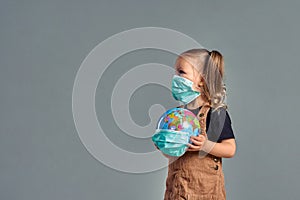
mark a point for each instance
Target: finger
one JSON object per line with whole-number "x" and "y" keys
{"x": 196, "y": 142}
{"x": 204, "y": 135}
{"x": 193, "y": 146}
{"x": 192, "y": 150}
{"x": 193, "y": 139}
{"x": 200, "y": 138}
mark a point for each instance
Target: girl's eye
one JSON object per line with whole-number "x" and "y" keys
{"x": 181, "y": 72}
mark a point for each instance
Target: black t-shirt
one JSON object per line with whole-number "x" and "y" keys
{"x": 218, "y": 124}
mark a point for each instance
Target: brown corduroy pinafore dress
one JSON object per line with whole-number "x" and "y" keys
{"x": 196, "y": 175}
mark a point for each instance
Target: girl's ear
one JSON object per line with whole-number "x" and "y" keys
{"x": 197, "y": 87}
{"x": 200, "y": 84}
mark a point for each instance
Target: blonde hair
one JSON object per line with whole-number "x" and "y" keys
{"x": 210, "y": 65}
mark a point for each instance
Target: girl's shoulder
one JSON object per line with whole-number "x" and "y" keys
{"x": 221, "y": 111}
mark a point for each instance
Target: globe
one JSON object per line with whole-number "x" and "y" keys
{"x": 174, "y": 129}
{"x": 180, "y": 119}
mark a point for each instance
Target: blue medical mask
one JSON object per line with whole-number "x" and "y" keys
{"x": 182, "y": 89}
{"x": 171, "y": 142}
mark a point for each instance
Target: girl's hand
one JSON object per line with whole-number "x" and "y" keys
{"x": 198, "y": 142}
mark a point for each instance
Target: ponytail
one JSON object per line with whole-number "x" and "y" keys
{"x": 215, "y": 89}
{"x": 218, "y": 60}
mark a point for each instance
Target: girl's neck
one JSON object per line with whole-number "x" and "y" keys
{"x": 198, "y": 102}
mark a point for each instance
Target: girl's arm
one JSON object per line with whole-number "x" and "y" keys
{"x": 226, "y": 148}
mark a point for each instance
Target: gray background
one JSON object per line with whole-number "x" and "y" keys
{"x": 43, "y": 44}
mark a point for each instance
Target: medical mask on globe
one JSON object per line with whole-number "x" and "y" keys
{"x": 182, "y": 89}
{"x": 170, "y": 142}
{"x": 174, "y": 129}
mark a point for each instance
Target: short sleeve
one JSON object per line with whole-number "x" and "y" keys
{"x": 219, "y": 126}
{"x": 227, "y": 131}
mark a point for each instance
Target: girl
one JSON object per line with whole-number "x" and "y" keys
{"x": 192, "y": 176}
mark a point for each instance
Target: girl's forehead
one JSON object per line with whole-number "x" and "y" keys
{"x": 182, "y": 63}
